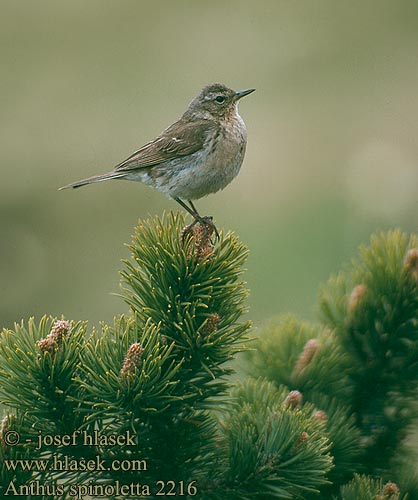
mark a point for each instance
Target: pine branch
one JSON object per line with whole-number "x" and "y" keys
{"x": 274, "y": 449}
{"x": 360, "y": 368}
{"x": 377, "y": 324}
{"x": 156, "y": 373}
{"x": 194, "y": 296}
{"x": 38, "y": 365}
{"x": 332, "y": 399}
{"x": 366, "y": 488}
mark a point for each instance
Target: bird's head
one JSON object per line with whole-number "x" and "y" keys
{"x": 216, "y": 101}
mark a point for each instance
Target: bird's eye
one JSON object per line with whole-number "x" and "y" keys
{"x": 220, "y": 99}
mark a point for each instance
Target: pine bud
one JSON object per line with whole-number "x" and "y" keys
{"x": 307, "y": 354}
{"x": 206, "y": 252}
{"x": 303, "y": 437}
{"x": 211, "y": 324}
{"x": 59, "y": 330}
{"x": 202, "y": 245}
{"x": 390, "y": 492}
{"x": 356, "y": 297}
{"x": 320, "y": 415}
{"x": 6, "y": 423}
{"x": 53, "y": 340}
{"x": 133, "y": 360}
{"x": 411, "y": 263}
{"x": 293, "y": 400}
{"x": 48, "y": 345}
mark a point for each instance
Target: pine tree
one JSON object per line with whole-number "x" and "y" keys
{"x": 358, "y": 366}
{"x": 149, "y": 404}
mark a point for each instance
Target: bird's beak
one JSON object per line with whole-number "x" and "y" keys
{"x": 242, "y": 93}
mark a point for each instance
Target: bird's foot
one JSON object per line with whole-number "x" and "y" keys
{"x": 202, "y": 229}
{"x": 209, "y": 226}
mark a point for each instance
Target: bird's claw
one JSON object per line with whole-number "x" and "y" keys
{"x": 206, "y": 223}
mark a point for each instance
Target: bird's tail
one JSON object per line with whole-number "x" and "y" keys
{"x": 91, "y": 180}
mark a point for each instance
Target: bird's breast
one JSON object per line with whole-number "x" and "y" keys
{"x": 226, "y": 152}
{"x": 207, "y": 170}
{"x": 214, "y": 166}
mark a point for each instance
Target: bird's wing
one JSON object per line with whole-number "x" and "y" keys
{"x": 180, "y": 139}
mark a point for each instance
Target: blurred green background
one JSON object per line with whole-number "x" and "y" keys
{"x": 332, "y": 152}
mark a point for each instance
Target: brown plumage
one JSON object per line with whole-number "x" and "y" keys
{"x": 199, "y": 154}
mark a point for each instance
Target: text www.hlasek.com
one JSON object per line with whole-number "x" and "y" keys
{"x": 66, "y": 464}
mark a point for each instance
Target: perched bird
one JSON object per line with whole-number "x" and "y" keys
{"x": 199, "y": 154}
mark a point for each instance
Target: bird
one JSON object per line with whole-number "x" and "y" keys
{"x": 199, "y": 154}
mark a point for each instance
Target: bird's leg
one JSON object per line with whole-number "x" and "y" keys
{"x": 195, "y": 216}
{"x": 193, "y": 207}
{"x": 203, "y": 221}
{"x": 192, "y": 211}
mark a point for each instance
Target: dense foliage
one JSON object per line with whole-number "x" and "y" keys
{"x": 324, "y": 412}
